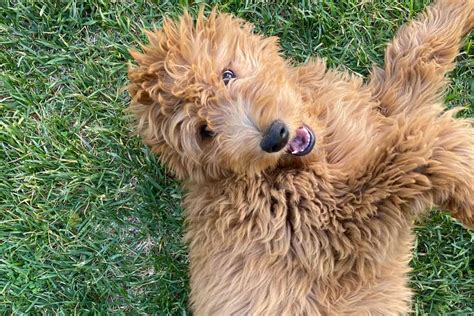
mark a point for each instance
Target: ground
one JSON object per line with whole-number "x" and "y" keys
{"x": 89, "y": 222}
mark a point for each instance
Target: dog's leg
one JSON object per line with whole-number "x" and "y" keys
{"x": 419, "y": 57}
{"x": 416, "y": 162}
{"x": 451, "y": 168}
{"x": 410, "y": 89}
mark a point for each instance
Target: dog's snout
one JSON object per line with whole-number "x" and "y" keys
{"x": 275, "y": 138}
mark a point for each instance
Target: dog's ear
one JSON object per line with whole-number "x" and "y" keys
{"x": 159, "y": 83}
{"x": 165, "y": 70}
{"x": 162, "y": 72}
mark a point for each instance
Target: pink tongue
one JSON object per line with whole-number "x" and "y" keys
{"x": 300, "y": 141}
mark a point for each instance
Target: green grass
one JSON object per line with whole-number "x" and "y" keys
{"x": 89, "y": 222}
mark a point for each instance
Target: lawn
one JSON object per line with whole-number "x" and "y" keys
{"x": 89, "y": 221}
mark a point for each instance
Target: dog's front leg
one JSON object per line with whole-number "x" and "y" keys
{"x": 416, "y": 162}
{"x": 450, "y": 168}
{"x": 419, "y": 57}
{"x": 410, "y": 89}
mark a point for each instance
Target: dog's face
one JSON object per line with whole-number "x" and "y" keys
{"x": 212, "y": 98}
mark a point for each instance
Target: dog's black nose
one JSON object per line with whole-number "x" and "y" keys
{"x": 275, "y": 138}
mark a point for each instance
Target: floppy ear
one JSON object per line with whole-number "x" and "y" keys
{"x": 164, "y": 91}
{"x": 165, "y": 74}
{"x": 162, "y": 73}
{"x": 157, "y": 87}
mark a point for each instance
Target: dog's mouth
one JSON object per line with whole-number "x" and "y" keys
{"x": 303, "y": 142}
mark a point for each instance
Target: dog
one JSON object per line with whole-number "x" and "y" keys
{"x": 303, "y": 183}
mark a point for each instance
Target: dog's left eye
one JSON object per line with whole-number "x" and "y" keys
{"x": 227, "y": 75}
{"x": 206, "y": 132}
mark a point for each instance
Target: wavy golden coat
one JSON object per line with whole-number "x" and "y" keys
{"x": 329, "y": 233}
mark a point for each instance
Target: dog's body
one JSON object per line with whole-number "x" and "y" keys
{"x": 327, "y": 232}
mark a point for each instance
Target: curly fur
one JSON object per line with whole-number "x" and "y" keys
{"x": 327, "y": 233}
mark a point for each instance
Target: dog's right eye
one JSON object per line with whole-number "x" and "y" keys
{"x": 227, "y": 75}
{"x": 206, "y": 132}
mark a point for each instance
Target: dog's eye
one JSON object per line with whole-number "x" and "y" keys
{"x": 227, "y": 75}
{"x": 206, "y": 132}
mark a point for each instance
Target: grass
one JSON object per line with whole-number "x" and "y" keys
{"x": 89, "y": 222}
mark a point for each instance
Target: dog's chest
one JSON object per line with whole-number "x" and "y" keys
{"x": 287, "y": 215}
{"x": 294, "y": 217}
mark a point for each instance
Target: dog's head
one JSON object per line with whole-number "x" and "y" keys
{"x": 212, "y": 98}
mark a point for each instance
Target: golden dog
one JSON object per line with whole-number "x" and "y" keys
{"x": 302, "y": 182}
